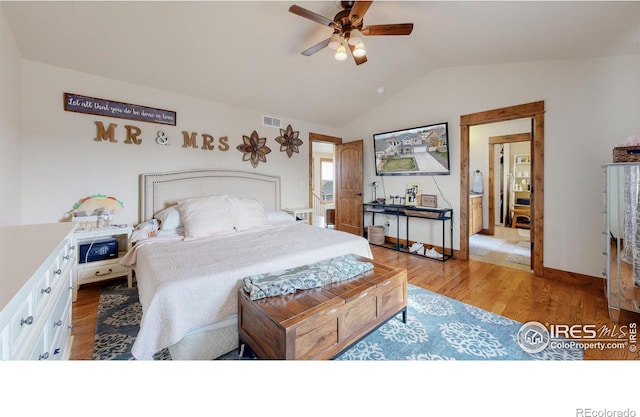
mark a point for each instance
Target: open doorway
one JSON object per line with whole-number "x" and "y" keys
{"x": 504, "y": 199}
{"x": 322, "y": 179}
{"x": 535, "y": 112}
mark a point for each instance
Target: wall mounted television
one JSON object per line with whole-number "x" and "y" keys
{"x": 420, "y": 150}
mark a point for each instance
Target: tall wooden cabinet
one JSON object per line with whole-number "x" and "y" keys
{"x": 622, "y": 237}
{"x": 475, "y": 215}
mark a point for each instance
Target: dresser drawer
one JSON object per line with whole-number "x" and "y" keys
{"x": 63, "y": 263}
{"x": 61, "y": 325}
{"x": 358, "y": 314}
{"x": 317, "y": 335}
{"x": 39, "y": 351}
{"x": 101, "y": 270}
{"x": 392, "y": 295}
{"x": 42, "y": 289}
{"x": 50, "y": 282}
{"x": 55, "y": 320}
{"x": 67, "y": 253}
{"x": 22, "y": 321}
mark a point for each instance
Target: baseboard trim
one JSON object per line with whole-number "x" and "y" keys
{"x": 559, "y": 275}
{"x": 573, "y": 278}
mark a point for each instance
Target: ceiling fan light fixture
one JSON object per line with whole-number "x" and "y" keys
{"x": 341, "y": 53}
{"x": 359, "y": 50}
{"x": 355, "y": 37}
{"x": 335, "y": 41}
{"x": 348, "y": 30}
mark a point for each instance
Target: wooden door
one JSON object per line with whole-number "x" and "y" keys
{"x": 349, "y": 187}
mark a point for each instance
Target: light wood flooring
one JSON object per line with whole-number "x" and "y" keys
{"x": 506, "y": 291}
{"x": 510, "y": 247}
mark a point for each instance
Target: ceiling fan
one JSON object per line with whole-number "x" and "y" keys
{"x": 348, "y": 26}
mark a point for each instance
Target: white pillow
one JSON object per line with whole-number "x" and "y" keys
{"x": 278, "y": 215}
{"x": 205, "y": 216}
{"x": 247, "y": 213}
{"x": 169, "y": 218}
{"x": 144, "y": 230}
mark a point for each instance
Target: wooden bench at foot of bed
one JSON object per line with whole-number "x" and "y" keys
{"x": 320, "y": 323}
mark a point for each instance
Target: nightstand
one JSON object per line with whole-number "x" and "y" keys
{"x": 88, "y": 270}
{"x": 301, "y": 214}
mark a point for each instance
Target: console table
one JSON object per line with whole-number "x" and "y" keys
{"x": 443, "y": 215}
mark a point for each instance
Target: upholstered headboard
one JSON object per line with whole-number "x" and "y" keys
{"x": 163, "y": 189}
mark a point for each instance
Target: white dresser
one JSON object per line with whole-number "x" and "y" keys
{"x": 35, "y": 291}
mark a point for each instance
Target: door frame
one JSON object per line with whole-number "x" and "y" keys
{"x": 535, "y": 111}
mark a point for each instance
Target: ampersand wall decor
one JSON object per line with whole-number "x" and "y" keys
{"x": 162, "y": 138}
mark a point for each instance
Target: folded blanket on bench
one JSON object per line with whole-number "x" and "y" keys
{"x": 304, "y": 277}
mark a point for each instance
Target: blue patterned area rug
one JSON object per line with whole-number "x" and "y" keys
{"x": 438, "y": 328}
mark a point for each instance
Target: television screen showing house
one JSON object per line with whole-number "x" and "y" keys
{"x": 417, "y": 151}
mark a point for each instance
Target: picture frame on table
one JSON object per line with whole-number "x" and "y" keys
{"x": 429, "y": 200}
{"x": 412, "y": 192}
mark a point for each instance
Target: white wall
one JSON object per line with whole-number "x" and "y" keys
{"x": 61, "y": 162}
{"x": 10, "y": 97}
{"x": 591, "y": 106}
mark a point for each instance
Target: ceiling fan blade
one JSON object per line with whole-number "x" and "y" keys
{"x": 308, "y": 14}
{"x": 358, "y": 10}
{"x": 315, "y": 48}
{"x": 394, "y": 29}
{"x": 359, "y": 59}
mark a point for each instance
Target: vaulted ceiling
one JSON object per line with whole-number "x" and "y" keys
{"x": 247, "y": 54}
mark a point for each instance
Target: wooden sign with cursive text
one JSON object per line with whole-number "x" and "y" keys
{"x": 91, "y": 105}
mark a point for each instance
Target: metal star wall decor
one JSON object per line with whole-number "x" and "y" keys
{"x": 289, "y": 141}
{"x": 254, "y": 149}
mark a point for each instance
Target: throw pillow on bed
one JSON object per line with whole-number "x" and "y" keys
{"x": 205, "y": 216}
{"x": 169, "y": 218}
{"x": 144, "y": 230}
{"x": 247, "y": 213}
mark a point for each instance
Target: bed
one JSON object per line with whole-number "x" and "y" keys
{"x": 190, "y": 266}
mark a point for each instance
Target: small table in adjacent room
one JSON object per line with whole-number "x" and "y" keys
{"x": 301, "y": 214}
{"x": 321, "y": 323}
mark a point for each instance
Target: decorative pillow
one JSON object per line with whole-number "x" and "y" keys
{"x": 205, "y": 216}
{"x": 144, "y": 230}
{"x": 278, "y": 216}
{"x": 169, "y": 218}
{"x": 247, "y": 213}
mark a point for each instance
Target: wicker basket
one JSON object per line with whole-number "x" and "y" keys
{"x": 626, "y": 154}
{"x": 427, "y": 214}
{"x": 375, "y": 234}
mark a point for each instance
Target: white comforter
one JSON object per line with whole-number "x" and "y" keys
{"x": 185, "y": 285}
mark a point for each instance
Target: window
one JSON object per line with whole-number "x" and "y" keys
{"x": 326, "y": 178}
